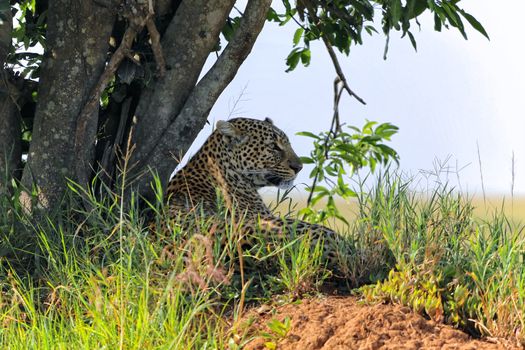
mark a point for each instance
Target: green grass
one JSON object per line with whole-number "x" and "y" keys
{"x": 97, "y": 277}
{"x": 449, "y": 265}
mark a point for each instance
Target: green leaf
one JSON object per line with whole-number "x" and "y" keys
{"x": 297, "y": 36}
{"x": 370, "y": 30}
{"x": 372, "y": 139}
{"x": 292, "y": 60}
{"x": 450, "y": 13}
{"x": 308, "y": 134}
{"x": 412, "y": 40}
{"x": 272, "y": 15}
{"x": 305, "y": 57}
{"x": 330, "y": 171}
{"x": 368, "y": 126}
{"x": 232, "y": 24}
{"x": 347, "y": 147}
{"x": 474, "y": 23}
{"x": 453, "y": 17}
{"x": 317, "y": 198}
{"x": 342, "y": 218}
{"x": 278, "y": 327}
{"x": 386, "y": 130}
{"x": 270, "y": 345}
{"x": 416, "y": 7}
{"x": 287, "y": 5}
{"x": 395, "y": 11}
{"x": 306, "y": 160}
{"x": 437, "y": 22}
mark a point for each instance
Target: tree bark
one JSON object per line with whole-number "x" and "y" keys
{"x": 171, "y": 110}
{"x": 174, "y": 110}
{"x": 77, "y": 45}
{"x": 10, "y": 146}
{"x": 187, "y": 42}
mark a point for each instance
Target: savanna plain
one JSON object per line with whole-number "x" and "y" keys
{"x": 433, "y": 270}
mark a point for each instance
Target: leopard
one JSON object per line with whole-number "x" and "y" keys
{"x": 241, "y": 156}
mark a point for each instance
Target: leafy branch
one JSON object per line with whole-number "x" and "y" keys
{"x": 338, "y": 154}
{"x": 340, "y": 24}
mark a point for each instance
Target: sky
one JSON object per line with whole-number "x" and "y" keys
{"x": 457, "y": 103}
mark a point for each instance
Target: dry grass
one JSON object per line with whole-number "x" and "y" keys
{"x": 484, "y": 209}
{"x": 514, "y": 209}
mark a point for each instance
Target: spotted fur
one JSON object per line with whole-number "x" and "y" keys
{"x": 241, "y": 156}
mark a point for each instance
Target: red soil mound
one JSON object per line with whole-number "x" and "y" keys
{"x": 340, "y": 323}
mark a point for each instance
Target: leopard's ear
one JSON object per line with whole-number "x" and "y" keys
{"x": 268, "y": 120}
{"x": 228, "y": 129}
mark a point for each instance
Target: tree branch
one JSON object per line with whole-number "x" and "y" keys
{"x": 194, "y": 114}
{"x": 137, "y": 19}
{"x": 339, "y": 71}
{"x": 82, "y": 142}
{"x": 205, "y": 94}
{"x": 186, "y": 44}
{"x": 335, "y": 128}
{"x": 156, "y": 47}
{"x": 331, "y": 52}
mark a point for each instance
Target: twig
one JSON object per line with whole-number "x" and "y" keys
{"x": 339, "y": 71}
{"x": 298, "y": 23}
{"x": 108, "y": 158}
{"x": 233, "y": 109}
{"x": 155, "y": 46}
{"x": 335, "y": 128}
{"x": 136, "y": 23}
{"x": 91, "y": 107}
{"x": 337, "y": 97}
{"x": 481, "y": 174}
{"x": 332, "y": 54}
{"x": 238, "y": 11}
{"x": 132, "y": 58}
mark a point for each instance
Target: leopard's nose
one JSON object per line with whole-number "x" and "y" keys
{"x": 296, "y": 166}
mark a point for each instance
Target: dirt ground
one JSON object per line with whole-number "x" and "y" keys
{"x": 338, "y": 323}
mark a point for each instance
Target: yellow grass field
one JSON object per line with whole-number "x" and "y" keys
{"x": 514, "y": 209}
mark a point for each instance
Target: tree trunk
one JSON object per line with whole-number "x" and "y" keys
{"x": 77, "y": 46}
{"x": 170, "y": 110}
{"x": 10, "y": 150}
{"x": 173, "y": 111}
{"x": 188, "y": 41}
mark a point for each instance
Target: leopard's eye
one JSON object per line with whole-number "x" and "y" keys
{"x": 277, "y": 147}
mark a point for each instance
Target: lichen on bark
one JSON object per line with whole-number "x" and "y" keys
{"x": 168, "y": 111}
{"x": 77, "y": 45}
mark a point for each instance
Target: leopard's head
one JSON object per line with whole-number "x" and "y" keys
{"x": 259, "y": 152}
